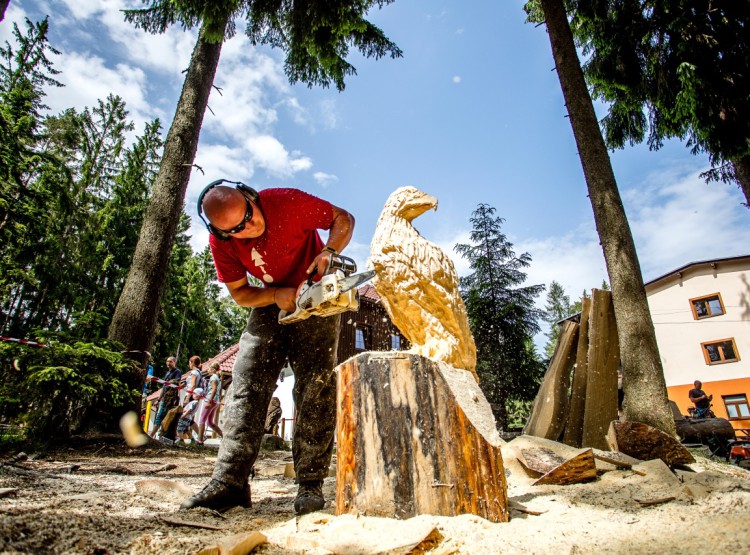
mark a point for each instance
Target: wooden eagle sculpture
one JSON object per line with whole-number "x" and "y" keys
{"x": 418, "y": 284}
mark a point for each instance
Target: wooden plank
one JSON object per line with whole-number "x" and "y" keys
{"x": 645, "y": 442}
{"x": 549, "y": 412}
{"x": 574, "y": 426}
{"x": 603, "y": 361}
{"x": 415, "y": 436}
{"x": 580, "y": 468}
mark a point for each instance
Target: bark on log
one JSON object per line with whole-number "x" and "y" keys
{"x": 416, "y": 436}
{"x": 700, "y": 430}
{"x": 645, "y": 442}
{"x": 574, "y": 426}
{"x": 603, "y": 361}
{"x": 550, "y": 410}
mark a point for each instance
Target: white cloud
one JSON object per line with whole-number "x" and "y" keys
{"x": 677, "y": 218}
{"x": 324, "y": 179}
{"x": 83, "y": 9}
{"x": 268, "y": 153}
{"x": 220, "y": 161}
{"x": 456, "y": 79}
{"x": 168, "y": 52}
{"x": 14, "y": 14}
{"x": 88, "y": 79}
{"x": 242, "y": 107}
{"x": 328, "y": 113}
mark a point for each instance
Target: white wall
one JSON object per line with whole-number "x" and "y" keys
{"x": 680, "y": 336}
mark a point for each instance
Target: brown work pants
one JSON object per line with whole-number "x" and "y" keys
{"x": 265, "y": 345}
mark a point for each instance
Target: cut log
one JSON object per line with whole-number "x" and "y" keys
{"x": 550, "y": 410}
{"x": 645, "y": 442}
{"x": 603, "y": 361}
{"x": 416, "y": 436}
{"x": 580, "y": 468}
{"x": 701, "y": 430}
{"x": 574, "y": 426}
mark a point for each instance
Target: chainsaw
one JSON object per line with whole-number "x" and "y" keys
{"x": 336, "y": 292}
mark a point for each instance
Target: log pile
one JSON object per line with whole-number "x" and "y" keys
{"x": 415, "y": 436}
{"x": 578, "y": 397}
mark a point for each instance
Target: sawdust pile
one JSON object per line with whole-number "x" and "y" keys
{"x": 116, "y": 500}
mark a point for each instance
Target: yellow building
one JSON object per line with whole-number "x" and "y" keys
{"x": 701, "y": 315}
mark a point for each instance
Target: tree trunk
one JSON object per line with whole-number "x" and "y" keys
{"x": 643, "y": 376}
{"x": 3, "y": 7}
{"x": 742, "y": 173}
{"x": 135, "y": 318}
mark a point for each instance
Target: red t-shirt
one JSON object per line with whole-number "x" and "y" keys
{"x": 281, "y": 256}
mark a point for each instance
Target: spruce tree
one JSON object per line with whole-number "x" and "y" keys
{"x": 558, "y": 307}
{"x": 502, "y": 314}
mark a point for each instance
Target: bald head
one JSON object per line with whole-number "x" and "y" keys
{"x": 227, "y": 207}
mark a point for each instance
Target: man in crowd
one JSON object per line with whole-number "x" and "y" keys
{"x": 699, "y": 398}
{"x": 168, "y": 396}
{"x": 273, "y": 235}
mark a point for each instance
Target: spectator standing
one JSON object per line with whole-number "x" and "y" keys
{"x": 272, "y": 416}
{"x": 168, "y": 396}
{"x": 211, "y": 406}
{"x": 187, "y": 422}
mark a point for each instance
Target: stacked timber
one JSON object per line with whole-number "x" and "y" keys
{"x": 578, "y": 396}
{"x": 416, "y": 436}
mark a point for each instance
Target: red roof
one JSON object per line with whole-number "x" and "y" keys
{"x": 225, "y": 359}
{"x": 367, "y": 291}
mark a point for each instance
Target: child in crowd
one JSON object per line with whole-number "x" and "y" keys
{"x": 186, "y": 423}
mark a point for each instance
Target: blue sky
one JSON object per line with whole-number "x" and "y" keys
{"x": 471, "y": 114}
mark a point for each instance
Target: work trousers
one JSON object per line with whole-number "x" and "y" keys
{"x": 265, "y": 345}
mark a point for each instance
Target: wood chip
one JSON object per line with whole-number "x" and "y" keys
{"x": 162, "y": 468}
{"x": 516, "y": 506}
{"x": 238, "y": 544}
{"x": 189, "y": 523}
{"x": 650, "y": 502}
{"x": 575, "y": 470}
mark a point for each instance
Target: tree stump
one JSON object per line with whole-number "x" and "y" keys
{"x": 416, "y": 436}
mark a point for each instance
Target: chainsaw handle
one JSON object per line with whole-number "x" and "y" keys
{"x": 337, "y": 261}
{"x": 312, "y": 275}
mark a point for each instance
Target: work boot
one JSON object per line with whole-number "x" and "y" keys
{"x": 309, "y": 497}
{"x": 220, "y": 497}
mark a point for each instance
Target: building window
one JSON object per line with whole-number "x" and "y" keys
{"x": 718, "y": 352}
{"x": 395, "y": 342}
{"x": 361, "y": 338}
{"x": 707, "y": 307}
{"x": 736, "y": 406}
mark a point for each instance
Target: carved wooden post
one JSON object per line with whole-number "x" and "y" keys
{"x": 416, "y": 436}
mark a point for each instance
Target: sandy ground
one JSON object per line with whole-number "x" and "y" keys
{"x": 106, "y": 498}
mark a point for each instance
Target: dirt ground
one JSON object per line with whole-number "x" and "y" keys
{"x": 107, "y": 498}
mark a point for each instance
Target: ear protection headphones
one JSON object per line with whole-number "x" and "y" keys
{"x": 248, "y": 192}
